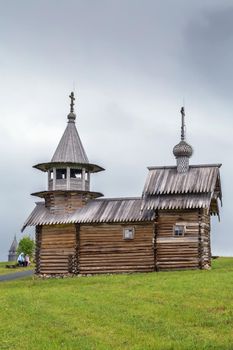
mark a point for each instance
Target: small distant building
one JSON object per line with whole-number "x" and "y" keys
{"x": 167, "y": 227}
{"x": 12, "y": 256}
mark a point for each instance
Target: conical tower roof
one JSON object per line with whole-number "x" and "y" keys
{"x": 70, "y": 148}
{"x": 13, "y": 246}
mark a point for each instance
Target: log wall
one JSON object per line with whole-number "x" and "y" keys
{"x": 204, "y": 240}
{"x": 37, "y": 248}
{"x": 56, "y": 249}
{"x": 102, "y": 248}
{"x": 64, "y": 203}
{"x": 182, "y": 252}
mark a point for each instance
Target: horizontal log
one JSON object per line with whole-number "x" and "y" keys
{"x": 176, "y": 263}
{"x": 118, "y": 268}
{"x": 115, "y": 271}
{"x": 117, "y": 256}
{"x": 178, "y": 259}
{"x": 54, "y": 263}
{"x": 53, "y": 272}
{"x": 114, "y": 266}
{"x": 116, "y": 250}
{"x": 55, "y": 257}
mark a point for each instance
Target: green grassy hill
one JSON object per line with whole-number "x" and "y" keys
{"x": 5, "y": 271}
{"x": 166, "y": 310}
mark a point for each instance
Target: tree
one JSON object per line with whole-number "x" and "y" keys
{"x": 26, "y": 246}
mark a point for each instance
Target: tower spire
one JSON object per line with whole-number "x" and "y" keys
{"x": 71, "y": 116}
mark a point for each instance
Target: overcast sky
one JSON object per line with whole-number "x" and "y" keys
{"x": 132, "y": 64}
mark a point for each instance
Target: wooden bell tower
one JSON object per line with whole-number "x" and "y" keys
{"x": 68, "y": 172}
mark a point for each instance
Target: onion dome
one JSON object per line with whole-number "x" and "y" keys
{"x": 183, "y": 149}
{"x": 71, "y": 117}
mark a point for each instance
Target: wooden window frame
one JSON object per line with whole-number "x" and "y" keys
{"x": 130, "y": 228}
{"x": 181, "y": 225}
{"x": 61, "y": 174}
{"x": 75, "y": 173}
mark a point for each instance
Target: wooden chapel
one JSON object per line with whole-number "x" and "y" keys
{"x": 168, "y": 227}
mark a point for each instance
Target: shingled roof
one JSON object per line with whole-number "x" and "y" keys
{"x": 166, "y": 180}
{"x": 96, "y": 211}
{"x": 70, "y": 148}
{"x": 164, "y": 189}
{"x": 113, "y": 210}
{"x": 199, "y": 187}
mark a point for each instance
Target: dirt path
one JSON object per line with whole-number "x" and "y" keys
{"x": 13, "y": 276}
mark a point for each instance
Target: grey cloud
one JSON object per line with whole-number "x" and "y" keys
{"x": 132, "y": 61}
{"x": 208, "y": 50}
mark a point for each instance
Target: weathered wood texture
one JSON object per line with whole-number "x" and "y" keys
{"x": 198, "y": 188}
{"x": 182, "y": 252}
{"x": 102, "y": 248}
{"x": 74, "y": 184}
{"x": 204, "y": 239}
{"x": 38, "y": 248}
{"x": 166, "y": 180}
{"x": 61, "y": 210}
{"x": 65, "y": 202}
{"x": 57, "y": 246}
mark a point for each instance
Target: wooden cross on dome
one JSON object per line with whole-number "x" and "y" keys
{"x": 182, "y": 124}
{"x": 72, "y": 98}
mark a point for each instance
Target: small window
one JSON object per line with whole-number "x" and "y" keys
{"x": 51, "y": 174}
{"x": 76, "y": 173}
{"x": 179, "y": 230}
{"x": 128, "y": 233}
{"x": 61, "y": 174}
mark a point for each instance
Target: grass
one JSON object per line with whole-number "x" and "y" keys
{"x": 181, "y": 310}
{"x": 5, "y": 271}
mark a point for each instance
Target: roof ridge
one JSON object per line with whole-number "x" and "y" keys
{"x": 217, "y": 165}
{"x": 119, "y": 198}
